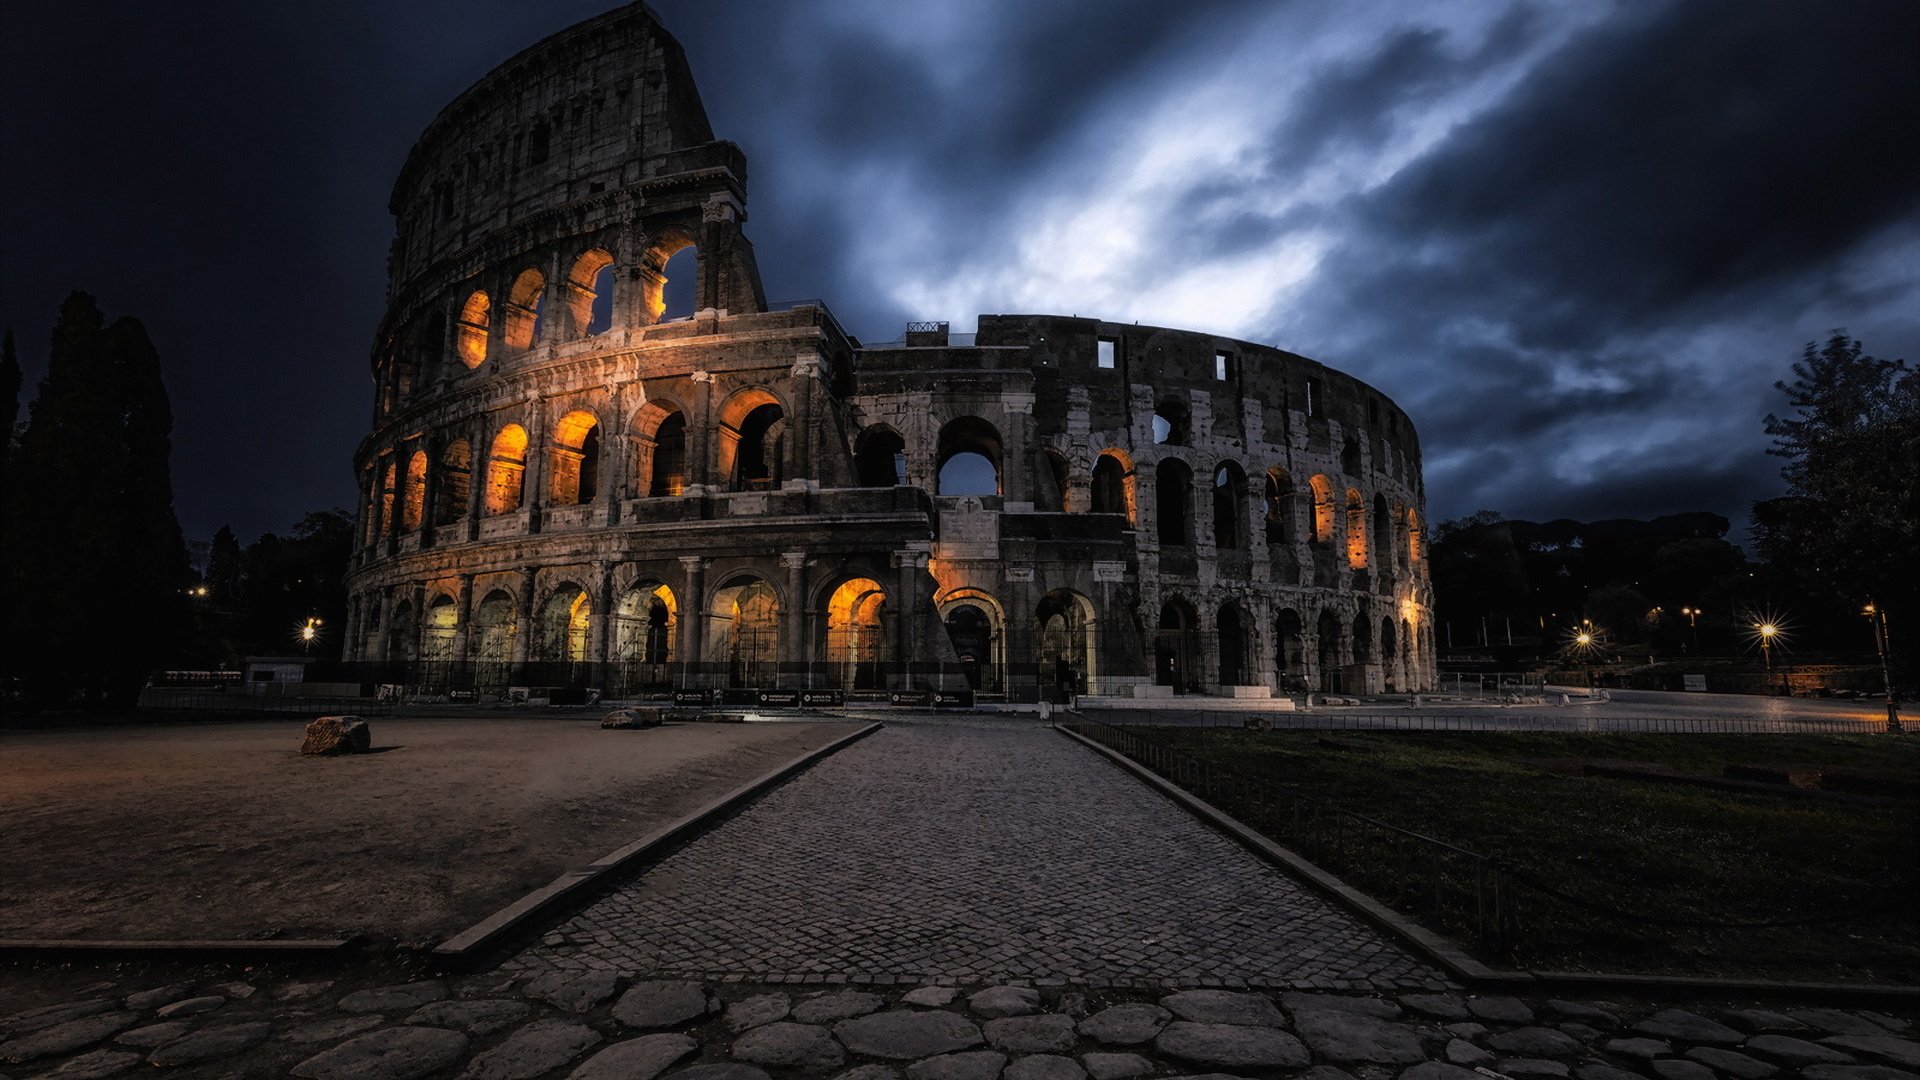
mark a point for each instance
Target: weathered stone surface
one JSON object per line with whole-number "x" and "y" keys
{"x": 1378, "y": 1008}
{"x": 475, "y": 1016}
{"x": 1597, "y": 1070}
{"x": 1856, "y": 1072}
{"x": 998, "y": 1001}
{"x": 190, "y": 1007}
{"x": 1681, "y": 1069}
{"x": 1125, "y": 1025}
{"x": 394, "y": 998}
{"x": 1586, "y": 1012}
{"x": 47, "y": 1016}
{"x": 211, "y": 1044}
{"x": 341, "y": 1027}
{"x": 1045, "y": 1067}
{"x": 1438, "y": 1006}
{"x": 1325, "y": 1072}
{"x": 1836, "y": 1022}
{"x": 844, "y": 1005}
{"x": 631, "y": 719}
{"x": 1893, "y": 1024}
{"x": 330, "y": 735}
{"x": 158, "y": 996}
{"x": 1638, "y": 1047}
{"x": 1466, "y": 1055}
{"x": 1797, "y": 1051}
{"x": 1759, "y": 1020}
{"x": 66, "y": 1037}
{"x": 1072, "y": 1003}
{"x": 538, "y": 1048}
{"x": 870, "y": 1072}
{"x": 235, "y": 991}
{"x": 1224, "y": 1007}
{"x": 1500, "y": 1009}
{"x": 397, "y": 1053}
{"x": 93, "y": 1066}
{"x": 787, "y": 1045}
{"x": 1535, "y": 1042}
{"x": 901, "y": 1035}
{"x": 1686, "y": 1027}
{"x": 1231, "y": 1045}
{"x": 720, "y": 1071}
{"x": 1106, "y": 1065}
{"x": 1732, "y": 1063}
{"x": 1345, "y": 1037}
{"x": 576, "y": 992}
{"x": 152, "y": 1035}
{"x": 1886, "y": 1049}
{"x": 967, "y": 1065}
{"x": 1582, "y": 1032}
{"x": 1467, "y": 1029}
{"x": 759, "y": 1009}
{"x": 661, "y": 1003}
{"x": 1050, "y": 1032}
{"x": 931, "y": 997}
{"x": 1439, "y": 1070}
{"x": 1543, "y": 1068}
{"x": 637, "y": 1059}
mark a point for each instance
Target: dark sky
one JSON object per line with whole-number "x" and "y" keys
{"x": 1578, "y": 242}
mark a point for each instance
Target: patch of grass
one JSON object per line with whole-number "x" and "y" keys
{"x": 1845, "y": 872}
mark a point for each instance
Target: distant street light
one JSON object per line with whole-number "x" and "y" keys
{"x": 1883, "y": 645}
{"x": 308, "y": 634}
{"x": 1693, "y": 614}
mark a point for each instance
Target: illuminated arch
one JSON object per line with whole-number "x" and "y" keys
{"x": 522, "y": 327}
{"x": 1323, "y": 511}
{"x": 654, "y": 266}
{"x": 751, "y": 447}
{"x": 1067, "y": 627}
{"x": 476, "y": 316}
{"x": 1279, "y": 505}
{"x": 1415, "y": 542}
{"x": 644, "y": 621}
{"x": 976, "y": 628}
{"x": 965, "y": 443}
{"x": 1356, "y": 530}
{"x": 856, "y": 645}
{"x": 507, "y": 470}
{"x": 494, "y": 625}
{"x": 413, "y": 492}
{"x": 564, "y": 622}
{"x": 1113, "y": 480}
{"x": 437, "y": 630}
{"x": 589, "y": 290}
{"x": 574, "y": 473}
{"x": 743, "y": 630}
{"x": 455, "y": 490}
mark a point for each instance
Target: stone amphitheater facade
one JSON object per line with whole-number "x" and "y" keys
{"x": 568, "y": 484}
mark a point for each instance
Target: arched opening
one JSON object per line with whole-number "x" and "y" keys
{"x": 389, "y": 479}
{"x": 968, "y": 462}
{"x": 752, "y": 441}
{"x": 1173, "y": 494}
{"x": 669, "y": 456}
{"x": 1289, "y": 659}
{"x": 645, "y": 619}
{"x": 1054, "y": 481}
{"x": 401, "y": 633}
{"x": 437, "y": 632}
{"x": 524, "y": 314}
{"x": 590, "y": 292}
{"x": 1279, "y": 505}
{"x": 1383, "y": 532}
{"x": 1362, "y": 639}
{"x": 430, "y": 344}
{"x": 1173, "y": 647}
{"x": 1409, "y": 646}
{"x": 413, "y": 502}
{"x": 1388, "y": 650}
{"x": 970, "y": 629}
{"x": 476, "y": 315}
{"x": 1229, "y": 507}
{"x": 1113, "y": 485}
{"x": 1356, "y": 530}
{"x": 856, "y": 643}
{"x": 456, "y": 482}
{"x": 506, "y": 469}
{"x": 1233, "y": 645}
{"x": 1171, "y": 422}
{"x": 743, "y": 630}
{"x": 564, "y": 620}
{"x": 880, "y": 457}
{"x": 1350, "y": 457}
{"x": 493, "y": 628}
{"x": 1327, "y": 631}
{"x": 575, "y": 465}
{"x": 679, "y": 287}
{"x": 1322, "y": 489}
{"x": 1067, "y": 646}
{"x": 1413, "y": 537}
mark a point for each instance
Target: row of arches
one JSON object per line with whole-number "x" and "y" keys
{"x": 1183, "y": 643}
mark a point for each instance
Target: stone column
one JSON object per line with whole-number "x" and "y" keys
{"x": 479, "y": 457}
{"x": 693, "y": 609}
{"x": 534, "y": 481}
{"x": 793, "y": 649}
{"x": 614, "y": 457}
{"x": 417, "y": 649}
{"x": 430, "y": 490}
{"x": 602, "y": 631}
{"x": 463, "y": 620}
{"x": 1016, "y": 449}
{"x": 805, "y": 382}
{"x": 700, "y": 435}
{"x": 523, "y": 640}
{"x": 386, "y": 624}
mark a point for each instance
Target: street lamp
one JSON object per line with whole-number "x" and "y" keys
{"x": 1766, "y": 632}
{"x": 1693, "y": 614}
{"x": 1883, "y": 645}
{"x": 308, "y": 634}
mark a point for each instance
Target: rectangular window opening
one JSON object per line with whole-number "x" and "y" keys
{"x": 1108, "y": 347}
{"x": 1313, "y": 397}
{"x": 1222, "y": 366}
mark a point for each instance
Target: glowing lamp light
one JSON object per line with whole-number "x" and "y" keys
{"x": 1585, "y": 639}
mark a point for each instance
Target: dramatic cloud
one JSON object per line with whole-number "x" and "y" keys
{"x": 1577, "y": 242}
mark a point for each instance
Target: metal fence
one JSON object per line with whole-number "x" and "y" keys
{"x": 236, "y": 702}
{"x": 1570, "y": 720}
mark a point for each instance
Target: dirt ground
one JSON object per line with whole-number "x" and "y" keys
{"x": 222, "y": 830}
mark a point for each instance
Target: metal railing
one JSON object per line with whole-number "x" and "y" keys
{"x": 1556, "y": 720}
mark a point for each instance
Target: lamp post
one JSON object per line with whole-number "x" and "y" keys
{"x": 1693, "y": 626}
{"x": 308, "y": 634}
{"x": 1881, "y": 645}
{"x": 1584, "y": 640}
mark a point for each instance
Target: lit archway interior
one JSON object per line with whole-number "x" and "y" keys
{"x": 856, "y": 641}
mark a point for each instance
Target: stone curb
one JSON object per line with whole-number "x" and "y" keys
{"x": 1436, "y": 949}
{"x": 570, "y": 888}
{"x": 1465, "y": 968}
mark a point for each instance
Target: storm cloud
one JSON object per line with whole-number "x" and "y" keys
{"x": 1577, "y": 242}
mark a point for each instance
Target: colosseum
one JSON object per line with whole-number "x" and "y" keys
{"x": 601, "y": 461}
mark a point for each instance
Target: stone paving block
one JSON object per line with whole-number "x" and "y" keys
{"x": 1125, "y": 1025}
{"x": 661, "y": 1003}
{"x": 905, "y": 1035}
{"x": 46, "y": 1016}
{"x": 845, "y": 1005}
{"x": 394, "y": 998}
{"x": 1535, "y": 1042}
{"x": 1792, "y": 1051}
{"x": 538, "y": 1048}
{"x": 1045, "y": 1067}
{"x": 966, "y": 1065}
{"x": 152, "y": 1035}
{"x": 1347, "y": 1037}
{"x": 1438, "y": 1006}
{"x": 180, "y": 1010}
{"x": 158, "y": 996}
{"x": 1761, "y": 1020}
{"x": 931, "y": 997}
{"x": 1439, "y": 1070}
{"x": 1466, "y": 1055}
{"x": 870, "y": 1072}
{"x": 1231, "y": 1045}
{"x": 1598, "y": 1070}
{"x": 1836, "y": 1022}
{"x": 1105, "y": 1065}
{"x": 1856, "y": 1072}
{"x": 1683, "y": 1026}
{"x": 576, "y": 992}
{"x": 760, "y": 1009}
{"x": 67, "y": 1036}
{"x": 788, "y": 1045}
{"x": 636, "y": 1059}
{"x": 1364, "y": 1006}
{"x": 340, "y": 1027}
{"x": 210, "y": 1044}
{"x": 398, "y": 1053}
{"x": 93, "y": 1066}
{"x": 1731, "y": 1063}
{"x": 1030, "y": 1034}
{"x": 1500, "y": 1009}
{"x": 1886, "y": 1049}
{"x": 1681, "y": 1069}
{"x": 721, "y": 1071}
{"x": 475, "y": 1016}
{"x": 1224, "y": 1007}
{"x": 1638, "y": 1047}
{"x": 998, "y": 1001}
{"x": 1590, "y": 1013}
{"x": 1533, "y": 1068}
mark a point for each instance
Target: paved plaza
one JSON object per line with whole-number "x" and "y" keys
{"x": 972, "y": 850}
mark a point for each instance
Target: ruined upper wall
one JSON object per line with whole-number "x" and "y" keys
{"x": 598, "y": 107}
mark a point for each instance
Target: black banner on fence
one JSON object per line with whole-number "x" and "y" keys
{"x": 953, "y": 699}
{"x": 911, "y": 699}
{"x": 831, "y": 699}
{"x": 696, "y": 698}
{"x": 779, "y": 699}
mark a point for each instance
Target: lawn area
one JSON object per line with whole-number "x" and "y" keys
{"x": 1844, "y": 871}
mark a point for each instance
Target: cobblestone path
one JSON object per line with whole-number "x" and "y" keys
{"x": 972, "y": 851}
